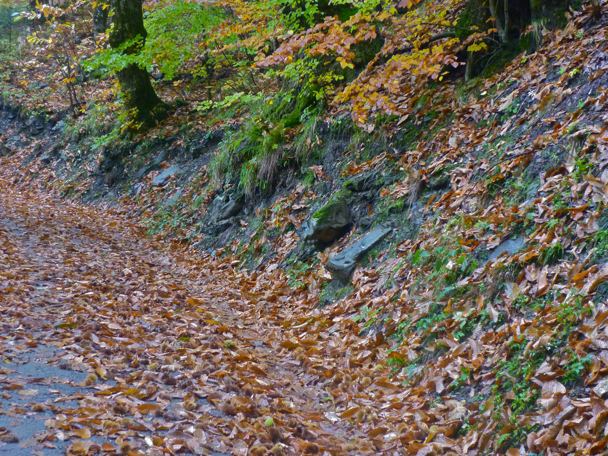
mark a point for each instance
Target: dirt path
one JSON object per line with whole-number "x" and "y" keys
{"x": 110, "y": 341}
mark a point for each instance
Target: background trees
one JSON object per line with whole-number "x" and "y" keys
{"x": 128, "y": 36}
{"x": 259, "y": 60}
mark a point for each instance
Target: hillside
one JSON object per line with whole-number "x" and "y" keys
{"x": 419, "y": 242}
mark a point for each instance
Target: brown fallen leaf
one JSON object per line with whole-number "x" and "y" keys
{"x": 7, "y": 436}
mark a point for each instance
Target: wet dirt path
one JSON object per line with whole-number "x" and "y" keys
{"x": 112, "y": 342}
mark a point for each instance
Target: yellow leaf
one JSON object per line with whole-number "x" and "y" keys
{"x": 476, "y": 47}
{"x": 146, "y": 409}
{"x": 83, "y": 433}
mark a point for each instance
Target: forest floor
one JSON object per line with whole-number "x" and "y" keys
{"x": 478, "y": 326}
{"x": 114, "y": 341}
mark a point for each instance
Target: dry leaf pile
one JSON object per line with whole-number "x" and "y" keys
{"x": 487, "y": 333}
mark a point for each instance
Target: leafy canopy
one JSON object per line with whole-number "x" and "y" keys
{"x": 174, "y": 35}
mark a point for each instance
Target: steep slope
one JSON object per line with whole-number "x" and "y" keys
{"x": 478, "y": 326}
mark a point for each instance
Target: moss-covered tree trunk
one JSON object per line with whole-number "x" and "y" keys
{"x": 138, "y": 95}
{"x": 500, "y": 12}
{"x": 596, "y": 9}
{"x": 100, "y": 18}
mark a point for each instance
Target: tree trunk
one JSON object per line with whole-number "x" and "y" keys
{"x": 138, "y": 95}
{"x": 470, "y": 67}
{"x": 100, "y": 18}
{"x": 501, "y": 20}
{"x": 596, "y": 9}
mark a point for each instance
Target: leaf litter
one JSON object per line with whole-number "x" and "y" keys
{"x": 176, "y": 357}
{"x": 189, "y": 354}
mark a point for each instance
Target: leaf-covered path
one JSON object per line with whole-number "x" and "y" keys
{"x": 137, "y": 344}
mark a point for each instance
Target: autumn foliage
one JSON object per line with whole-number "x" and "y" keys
{"x": 478, "y": 327}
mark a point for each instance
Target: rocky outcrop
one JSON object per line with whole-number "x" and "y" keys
{"x": 163, "y": 177}
{"x": 343, "y": 264}
{"x": 331, "y": 221}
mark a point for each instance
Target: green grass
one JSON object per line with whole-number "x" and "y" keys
{"x": 334, "y": 291}
{"x": 435, "y": 316}
{"x": 367, "y": 317}
{"x": 254, "y": 153}
{"x": 296, "y": 273}
{"x": 575, "y": 368}
{"x": 514, "y": 375}
{"x": 552, "y": 254}
{"x": 600, "y": 243}
{"x": 163, "y": 220}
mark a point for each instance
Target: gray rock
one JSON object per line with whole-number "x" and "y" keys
{"x": 510, "y": 246}
{"x": 46, "y": 158}
{"x": 153, "y": 166}
{"x": 136, "y": 189}
{"x": 363, "y": 182}
{"x": 366, "y": 222}
{"x": 230, "y": 208}
{"x": 331, "y": 221}
{"x": 111, "y": 177}
{"x": 59, "y": 126}
{"x": 144, "y": 171}
{"x": 35, "y": 125}
{"x": 219, "y": 228}
{"x": 15, "y": 141}
{"x": 440, "y": 179}
{"x": 344, "y": 263}
{"x": 4, "y": 151}
{"x": 163, "y": 177}
{"x": 601, "y": 389}
{"x": 174, "y": 199}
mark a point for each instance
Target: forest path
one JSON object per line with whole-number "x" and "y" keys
{"x": 112, "y": 341}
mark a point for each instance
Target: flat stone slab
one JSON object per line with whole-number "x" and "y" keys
{"x": 510, "y": 246}
{"x": 163, "y": 177}
{"x": 343, "y": 264}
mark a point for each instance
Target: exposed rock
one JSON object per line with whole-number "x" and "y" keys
{"x": 230, "y": 208}
{"x": 111, "y": 177}
{"x": 46, "y": 158}
{"x": 175, "y": 198}
{"x": 35, "y": 125}
{"x": 136, "y": 189}
{"x": 510, "y": 246}
{"x": 219, "y": 228}
{"x": 144, "y": 171}
{"x": 344, "y": 263}
{"x": 440, "y": 179}
{"x": 601, "y": 389}
{"x": 364, "y": 182}
{"x": 209, "y": 141}
{"x": 4, "y": 151}
{"x": 365, "y": 222}
{"x": 15, "y": 141}
{"x": 59, "y": 126}
{"x": 224, "y": 207}
{"x": 49, "y": 155}
{"x": 163, "y": 177}
{"x": 331, "y": 221}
